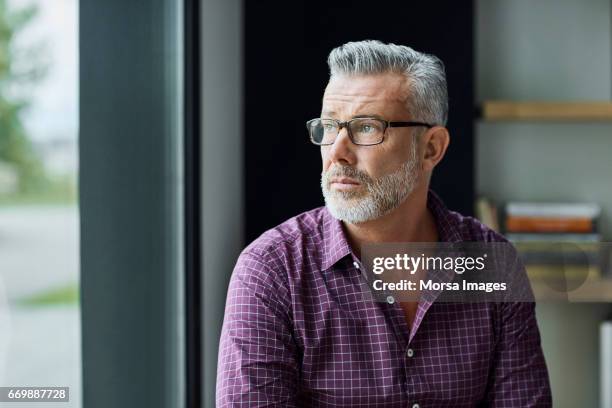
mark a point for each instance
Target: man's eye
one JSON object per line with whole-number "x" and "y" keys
{"x": 329, "y": 127}
{"x": 367, "y": 129}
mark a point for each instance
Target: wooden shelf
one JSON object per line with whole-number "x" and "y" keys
{"x": 546, "y": 111}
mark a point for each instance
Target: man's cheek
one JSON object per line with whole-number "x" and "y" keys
{"x": 324, "y": 156}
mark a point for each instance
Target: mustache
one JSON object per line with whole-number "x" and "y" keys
{"x": 346, "y": 171}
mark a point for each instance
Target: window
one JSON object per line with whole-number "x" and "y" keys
{"x": 39, "y": 218}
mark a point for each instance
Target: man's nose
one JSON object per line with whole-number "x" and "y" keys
{"x": 342, "y": 150}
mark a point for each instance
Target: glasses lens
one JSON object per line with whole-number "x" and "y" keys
{"x": 367, "y": 131}
{"x": 323, "y": 131}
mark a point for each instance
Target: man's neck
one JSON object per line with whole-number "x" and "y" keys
{"x": 411, "y": 221}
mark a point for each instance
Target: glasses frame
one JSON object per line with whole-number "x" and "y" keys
{"x": 347, "y": 124}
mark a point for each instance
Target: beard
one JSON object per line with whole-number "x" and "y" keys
{"x": 376, "y": 197}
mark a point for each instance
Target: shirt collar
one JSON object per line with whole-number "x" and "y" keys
{"x": 446, "y": 220}
{"x": 336, "y": 246}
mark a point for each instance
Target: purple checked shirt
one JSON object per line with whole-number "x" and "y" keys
{"x": 298, "y": 331}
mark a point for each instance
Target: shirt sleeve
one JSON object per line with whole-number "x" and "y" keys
{"x": 519, "y": 377}
{"x": 257, "y": 365}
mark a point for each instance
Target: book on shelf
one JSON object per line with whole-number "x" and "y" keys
{"x": 549, "y": 224}
{"x": 552, "y": 218}
{"x": 553, "y": 210}
{"x": 559, "y": 257}
{"x": 568, "y": 272}
{"x": 556, "y": 239}
{"x": 552, "y": 246}
{"x": 517, "y": 237}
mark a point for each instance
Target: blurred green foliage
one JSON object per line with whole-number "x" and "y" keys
{"x": 63, "y": 295}
{"x": 18, "y": 68}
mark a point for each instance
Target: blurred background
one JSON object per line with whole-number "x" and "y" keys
{"x": 135, "y": 164}
{"x": 39, "y": 221}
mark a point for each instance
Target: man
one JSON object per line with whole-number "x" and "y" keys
{"x": 298, "y": 330}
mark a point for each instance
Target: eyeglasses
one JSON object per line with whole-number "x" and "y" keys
{"x": 361, "y": 131}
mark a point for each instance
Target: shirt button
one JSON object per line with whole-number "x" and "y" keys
{"x": 415, "y": 405}
{"x": 390, "y": 300}
{"x": 410, "y": 352}
{"x": 356, "y": 265}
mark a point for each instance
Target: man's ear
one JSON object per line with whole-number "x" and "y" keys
{"x": 435, "y": 142}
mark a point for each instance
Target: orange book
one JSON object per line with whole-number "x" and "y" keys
{"x": 548, "y": 224}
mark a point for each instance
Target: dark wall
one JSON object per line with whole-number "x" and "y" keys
{"x": 286, "y": 47}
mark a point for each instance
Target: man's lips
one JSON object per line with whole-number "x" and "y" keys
{"x": 344, "y": 180}
{"x": 344, "y": 183}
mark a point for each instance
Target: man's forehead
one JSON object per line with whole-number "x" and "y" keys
{"x": 359, "y": 95}
{"x": 367, "y": 88}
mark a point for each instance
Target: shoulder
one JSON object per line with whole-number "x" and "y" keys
{"x": 268, "y": 265}
{"x": 276, "y": 247}
{"x": 285, "y": 236}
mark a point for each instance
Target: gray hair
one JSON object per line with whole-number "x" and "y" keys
{"x": 428, "y": 99}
